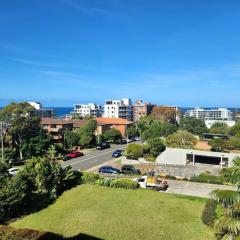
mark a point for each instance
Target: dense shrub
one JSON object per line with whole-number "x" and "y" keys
{"x": 124, "y": 183}
{"x": 112, "y": 135}
{"x": 134, "y": 151}
{"x": 105, "y": 182}
{"x": 207, "y": 178}
{"x": 90, "y": 178}
{"x": 157, "y": 146}
{"x": 36, "y": 185}
{"x": 181, "y": 139}
{"x": 209, "y": 212}
{"x": 150, "y": 159}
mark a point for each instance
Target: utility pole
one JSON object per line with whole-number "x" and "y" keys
{"x": 2, "y": 141}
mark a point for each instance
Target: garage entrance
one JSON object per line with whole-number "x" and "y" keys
{"x": 212, "y": 160}
{"x": 207, "y": 160}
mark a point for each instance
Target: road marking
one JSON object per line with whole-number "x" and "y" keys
{"x": 83, "y": 160}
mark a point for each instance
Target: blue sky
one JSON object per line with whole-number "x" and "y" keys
{"x": 61, "y": 52}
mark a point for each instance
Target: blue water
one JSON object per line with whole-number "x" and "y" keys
{"x": 61, "y": 111}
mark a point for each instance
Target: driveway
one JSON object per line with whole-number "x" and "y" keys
{"x": 194, "y": 189}
{"x": 94, "y": 158}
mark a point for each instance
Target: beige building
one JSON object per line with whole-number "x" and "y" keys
{"x": 141, "y": 109}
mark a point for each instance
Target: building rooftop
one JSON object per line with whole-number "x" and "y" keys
{"x": 49, "y": 121}
{"x": 177, "y": 156}
{"x": 113, "y": 121}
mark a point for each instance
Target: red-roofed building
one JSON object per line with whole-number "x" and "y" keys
{"x": 120, "y": 124}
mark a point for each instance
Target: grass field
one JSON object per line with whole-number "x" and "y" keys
{"x": 108, "y": 213}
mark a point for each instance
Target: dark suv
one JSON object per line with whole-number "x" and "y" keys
{"x": 102, "y": 145}
{"x": 130, "y": 169}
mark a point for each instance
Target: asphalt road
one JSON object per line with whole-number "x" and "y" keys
{"x": 94, "y": 158}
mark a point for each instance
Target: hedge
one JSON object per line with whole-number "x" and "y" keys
{"x": 209, "y": 212}
{"x": 105, "y": 182}
{"x": 207, "y": 178}
{"x": 124, "y": 183}
{"x": 90, "y": 178}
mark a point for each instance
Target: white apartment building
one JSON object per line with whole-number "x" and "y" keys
{"x": 86, "y": 110}
{"x": 118, "y": 109}
{"x": 36, "y": 105}
{"x": 210, "y": 114}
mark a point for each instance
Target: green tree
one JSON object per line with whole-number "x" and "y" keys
{"x": 193, "y": 125}
{"x": 144, "y": 123}
{"x": 134, "y": 151}
{"x": 233, "y": 143}
{"x": 36, "y": 146}
{"x": 235, "y": 130}
{"x": 21, "y": 125}
{"x": 52, "y": 153}
{"x": 86, "y": 133}
{"x": 13, "y": 192}
{"x": 112, "y": 134}
{"x": 38, "y": 183}
{"x": 219, "y": 128}
{"x": 158, "y": 129}
{"x": 181, "y": 139}
{"x": 71, "y": 139}
{"x": 227, "y": 226}
{"x": 218, "y": 144}
{"x": 132, "y": 131}
{"x": 156, "y": 145}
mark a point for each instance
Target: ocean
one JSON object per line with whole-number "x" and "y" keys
{"x": 61, "y": 111}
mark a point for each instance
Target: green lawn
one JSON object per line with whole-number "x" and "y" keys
{"x": 109, "y": 213}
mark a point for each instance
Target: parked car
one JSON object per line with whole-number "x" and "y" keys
{"x": 130, "y": 169}
{"x": 129, "y": 140}
{"x": 109, "y": 169}
{"x": 137, "y": 138}
{"x": 122, "y": 141}
{"x": 13, "y": 171}
{"x": 102, "y": 145}
{"x": 117, "y": 153}
{"x": 74, "y": 155}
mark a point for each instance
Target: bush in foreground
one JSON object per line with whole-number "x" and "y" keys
{"x": 209, "y": 213}
{"x": 36, "y": 185}
{"x": 104, "y": 182}
{"x": 124, "y": 183}
{"x": 134, "y": 151}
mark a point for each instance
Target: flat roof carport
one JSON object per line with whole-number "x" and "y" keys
{"x": 179, "y": 156}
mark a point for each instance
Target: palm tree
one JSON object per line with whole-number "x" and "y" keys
{"x": 227, "y": 226}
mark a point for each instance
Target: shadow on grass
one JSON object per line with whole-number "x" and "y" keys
{"x": 7, "y": 232}
{"x": 53, "y": 236}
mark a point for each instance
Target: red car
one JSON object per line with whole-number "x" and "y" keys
{"x": 74, "y": 155}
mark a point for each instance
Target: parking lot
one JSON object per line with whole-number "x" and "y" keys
{"x": 194, "y": 189}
